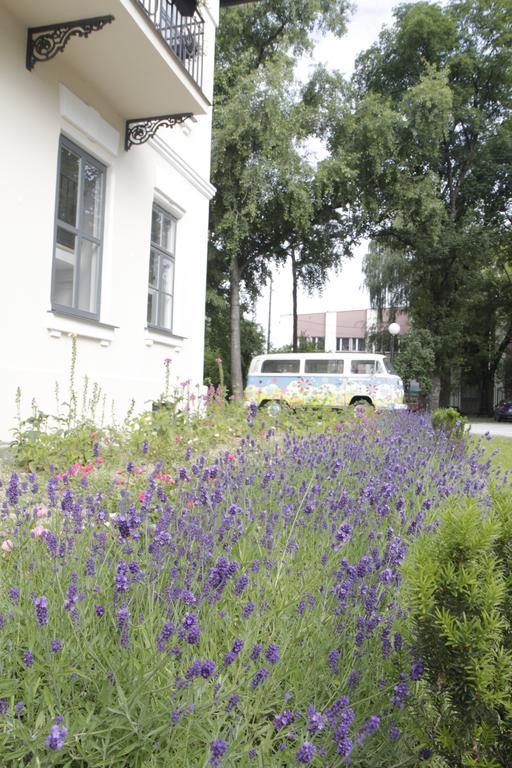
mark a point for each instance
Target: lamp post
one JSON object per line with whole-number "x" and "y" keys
{"x": 394, "y": 330}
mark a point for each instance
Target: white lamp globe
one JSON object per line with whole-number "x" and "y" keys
{"x": 394, "y": 329}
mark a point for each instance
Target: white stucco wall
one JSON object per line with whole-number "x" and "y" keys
{"x": 119, "y": 353}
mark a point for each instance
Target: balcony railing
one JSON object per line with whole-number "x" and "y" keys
{"x": 183, "y": 34}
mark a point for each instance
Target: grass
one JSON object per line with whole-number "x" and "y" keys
{"x": 503, "y": 446}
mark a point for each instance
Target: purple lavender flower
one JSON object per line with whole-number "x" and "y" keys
{"x": 255, "y": 653}
{"x": 305, "y": 753}
{"x": 100, "y": 610}
{"x": 232, "y": 702}
{"x": 19, "y": 707}
{"x": 284, "y": 719}
{"x": 14, "y": 595}
{"x": 3, "y": 706}
{"x": 394, "y": 733}
{"x": 28, "y": 659}
{"x": 41, "y": 606}
{"x": 218, "y": 748}
{"x": 56, "y": 737}
{"x": 417, "y": 669}
{"x": 316, "y": 721}
{"x": 260, "y": 675}
{"x": 248, "y": 609}
{"x": 56, "y": 646}
{"x": 272, "y": 654}
{"x": 207, "y": 668}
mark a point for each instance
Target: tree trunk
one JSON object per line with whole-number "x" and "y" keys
{"x": 435, "y": 392}
{"x": 445, "y": 394}
{"x": 237, "y": 384}
{"x": 295, "y": 340}
{"x": 486, "y": 391}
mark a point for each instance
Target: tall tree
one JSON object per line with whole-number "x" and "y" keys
{"x": 432, "y": 102}
{"x": 254, "y": 127}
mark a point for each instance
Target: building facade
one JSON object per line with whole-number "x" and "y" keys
{"x": 104, "y": 195}
{"x": 355, "y": 330}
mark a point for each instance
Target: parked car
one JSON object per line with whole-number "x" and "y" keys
{"x": 503, "y": 410}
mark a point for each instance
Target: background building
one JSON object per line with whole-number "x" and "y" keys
{"x": 104, "y": 193}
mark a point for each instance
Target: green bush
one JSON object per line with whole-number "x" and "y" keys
{"x": 459, "y": 587}
{"x": 451, "y": 421}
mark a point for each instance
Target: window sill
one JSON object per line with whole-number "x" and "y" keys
{"x": 69, "y": 324}
{"x": 154, "y": 335}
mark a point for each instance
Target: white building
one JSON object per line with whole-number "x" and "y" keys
{"x": 104, "y": 210}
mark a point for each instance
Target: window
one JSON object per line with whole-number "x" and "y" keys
{"x": 161, "y": 269}
{"x": 349, "y": 344}
{"x": 365, "y": 367}
{"x": 324, "y": 366}
{"x": 78, "y": 231}
{"x": 280, "y": 366}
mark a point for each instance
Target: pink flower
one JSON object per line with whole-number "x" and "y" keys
{"x": 88, "y": 468}
{"x": 38, "y": 531}
{"x": 41, "y": 511}
{"x": 7, "y": 545}
{"x": 99, "y": 459}
{"x": 141, "y": 497}
{"x": 218, "y": 360}
{"x": 119, "y": 481}
{"x": 167, "y": 361}
{"x": 178, "y": 438}
{"x": 230, "y": 457}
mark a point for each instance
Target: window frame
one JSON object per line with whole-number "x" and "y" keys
{"x": 79, "y": 233}
{"x": 162, "y": 253}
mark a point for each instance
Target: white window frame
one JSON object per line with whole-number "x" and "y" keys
{"x": 155, "y": 290}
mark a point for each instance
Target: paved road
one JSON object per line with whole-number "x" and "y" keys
{"x": 495, "y": 428}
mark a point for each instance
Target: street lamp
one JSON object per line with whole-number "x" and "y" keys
{"x": 394, "y": 330}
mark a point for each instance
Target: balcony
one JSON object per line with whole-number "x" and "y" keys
{"x": 183, "y": 34}
{"x": 148, "y": 61}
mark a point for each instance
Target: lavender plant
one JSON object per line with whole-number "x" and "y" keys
{"x": 233, "y": 610}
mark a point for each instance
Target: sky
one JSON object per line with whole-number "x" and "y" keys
{"x": 344, "y": 290}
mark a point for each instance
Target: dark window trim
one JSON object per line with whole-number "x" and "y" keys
{"x": 162, "y": 252}
{"x": 84, "y": 155}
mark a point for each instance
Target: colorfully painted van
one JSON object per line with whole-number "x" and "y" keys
{"x": 334, "y": 379}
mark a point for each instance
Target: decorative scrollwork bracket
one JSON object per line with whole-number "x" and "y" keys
{"x": 140, "y": 129}
{"x": 43, "y": 43}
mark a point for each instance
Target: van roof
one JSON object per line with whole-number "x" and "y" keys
{"x": 291, "y": 355}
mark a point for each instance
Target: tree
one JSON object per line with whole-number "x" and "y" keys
{"x": 254, "y": 128}
{"x": 420, "y": 160}
{"x": 416, "y": 359}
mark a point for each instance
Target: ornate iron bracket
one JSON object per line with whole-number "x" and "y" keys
{"x": 43, "y": 43}
{"x": 140, "y": 129}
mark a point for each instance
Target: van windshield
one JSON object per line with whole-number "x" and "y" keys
{"x": 388, "y": 365}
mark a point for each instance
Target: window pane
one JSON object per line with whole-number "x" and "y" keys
{"x": 152, "y": 305}
{"x": 366, "y": 367}
{"x": 88, "y": 276}
{"x": 166, "y": 274}
{"x": 324, "y": 366}
{"x": 165, "y": 311}
{"x": 68, "y": 186}
{"x": 168, "y": 233}
{"x": 156, "y": 226}
{"x": 280, "y": 366}
{"x": 153, "y": 269}
{"x": 64, "y": 268}
{"x": 92, "y": 200}
{"x": 344, "y": 344}
{"x": 361, "y": 345}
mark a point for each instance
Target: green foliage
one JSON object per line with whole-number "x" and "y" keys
{"x": 420, "y": 166}
{"x": 416, "y": 359}
{"x": 458, "y": 582}
{"x": 264, "y": 188}
{"x": 451, "y": 421}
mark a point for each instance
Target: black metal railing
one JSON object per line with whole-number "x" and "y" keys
{"x": 183, "y": 34}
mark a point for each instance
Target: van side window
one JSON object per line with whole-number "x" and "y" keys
{"x": 280, "y": 366}
{"x": 365, "y": 367}
{"x": 324, "y": 366}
